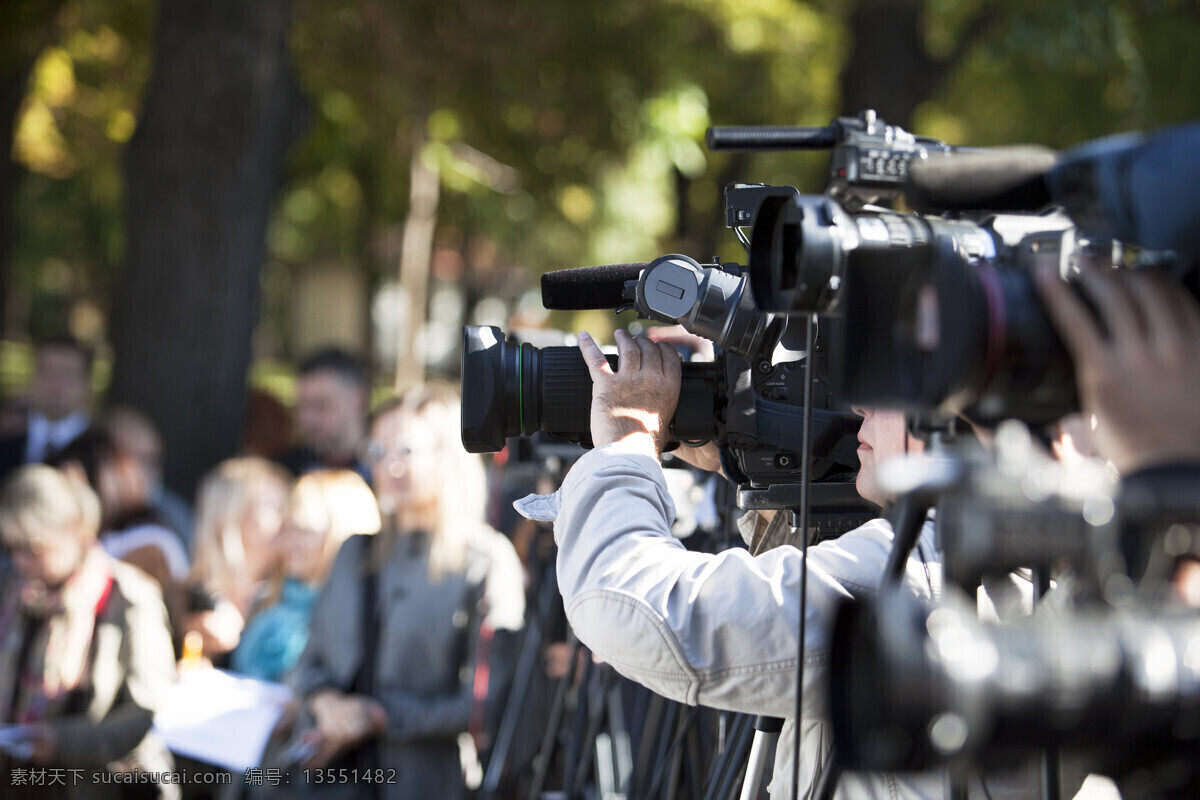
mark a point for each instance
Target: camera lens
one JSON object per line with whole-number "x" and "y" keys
{"x": 797, "y": 253}
{"x": 516, "y": 389}
{"x": 997, "y": 352}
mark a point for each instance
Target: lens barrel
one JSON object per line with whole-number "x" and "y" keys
{"x": 516, "y": 389}
{"x": 798, "y": 250}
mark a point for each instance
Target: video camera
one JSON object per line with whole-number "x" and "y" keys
{"x": 747, "y": 400}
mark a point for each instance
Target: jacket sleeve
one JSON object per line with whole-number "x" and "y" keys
{"x": 146, "y": 657}
{"x": 716, "y": 630}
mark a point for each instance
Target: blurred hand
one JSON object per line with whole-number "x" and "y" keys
{"x": 636, "y": 402}
{"x": 342, "y": 721}
{"x": 220, "y": 629}
{"x": 1142, "y": 379}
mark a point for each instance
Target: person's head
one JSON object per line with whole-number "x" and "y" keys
{"x": 423, "y": 477}
{"x": 331, "y": 404}
{"x": 61, "y": 386}
{"x": 114, "y": 475}
{"x": 324, "y": 509}
{"x": 134, "y": 433}
{"x": 883, "y": 435}
{"x": 47, "y": 522}
{"x": 239, "y": 510}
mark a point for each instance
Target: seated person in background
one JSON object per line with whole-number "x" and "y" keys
{"x": 239, "y": 510}
{"x": 84, "y": 646}
{"x": 324, "y": 509}
{"x": 134, "y": 433}
{"x": 392, "y": 688}
{"x": 129, "y": 530}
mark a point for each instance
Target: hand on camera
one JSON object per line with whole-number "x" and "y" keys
{"x": 706, "y": 457}
{"x": 1142, "y": 379}
{"x": 635, "y": 403}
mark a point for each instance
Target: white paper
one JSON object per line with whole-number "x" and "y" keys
{"x": 220, "y": 717}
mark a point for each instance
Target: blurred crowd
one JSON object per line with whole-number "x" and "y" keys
{"x": 351, "y": 560}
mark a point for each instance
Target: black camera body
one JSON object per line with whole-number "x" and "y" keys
{"x": 940, "y": 310}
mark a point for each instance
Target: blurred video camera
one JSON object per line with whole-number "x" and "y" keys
{"x": 1107, "y": 676}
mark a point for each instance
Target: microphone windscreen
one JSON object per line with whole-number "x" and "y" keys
{"x": 588, "y": 287}
{"x": 985, "y": 180}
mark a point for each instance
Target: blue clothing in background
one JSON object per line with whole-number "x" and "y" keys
{"x": 275, "y": 637}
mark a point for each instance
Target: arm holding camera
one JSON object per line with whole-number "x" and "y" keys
{"x": 715, "y": 630}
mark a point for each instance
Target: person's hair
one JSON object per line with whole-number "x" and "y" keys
{"x": 337, "y": 361}
{"x": 224, "y": 497}
{"x": 267, "y": 430}
{"x": 123, "y": 423}
{"x": 335, "y": 502}
{"x": 112, "y": 473}
{"x": 38, "y": 498}
{"x": 66, "y": 342}
{"x": 460, "y": 476}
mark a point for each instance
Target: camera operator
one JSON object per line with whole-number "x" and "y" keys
{"x": 721, "y": 631}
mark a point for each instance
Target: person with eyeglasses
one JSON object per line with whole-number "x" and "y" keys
{"x": 391, "y": 689}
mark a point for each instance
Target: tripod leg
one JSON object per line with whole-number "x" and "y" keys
{"x": 546, "y": 752}
{"x": 512, "y": 710}
{"x": 602, "y": 680}
{"x": 575, "y": 742}
{"x": 756, "y": 763}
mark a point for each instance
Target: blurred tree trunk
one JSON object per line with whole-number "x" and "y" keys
{"x": 25, "y": 29}
{"x": 889, "y": 67}
{"x": 220, "y": 111}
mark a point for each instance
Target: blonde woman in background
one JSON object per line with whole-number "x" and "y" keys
{"x": 324, "y": 509}
{"x": 239, "y": 510}
{"x": 386, "y": 681}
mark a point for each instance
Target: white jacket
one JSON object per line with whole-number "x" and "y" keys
{"x": 722, "y": 630}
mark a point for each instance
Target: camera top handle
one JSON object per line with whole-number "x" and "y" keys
{"x": 770, "y": 137}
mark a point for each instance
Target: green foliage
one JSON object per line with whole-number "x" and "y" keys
{"x": 564, "y": 133}
{"x": 1061, "y": 73}
{"x": 80, "y": 110}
